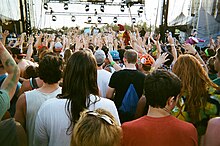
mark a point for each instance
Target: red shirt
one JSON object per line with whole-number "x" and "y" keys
{"x": 164, "y": 131}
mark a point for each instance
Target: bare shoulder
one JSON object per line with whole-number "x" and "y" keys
{"x": 22, "y": 99}
{"x": 25, "y": 87}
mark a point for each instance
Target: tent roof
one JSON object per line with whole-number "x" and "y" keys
{"x": 207, "y": 25}
{"x": 181, "y": 19}
{"x": 3, "y": 18}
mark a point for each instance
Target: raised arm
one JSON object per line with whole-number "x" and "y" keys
{"x": 10, "y": 83}
{"x": 30, "y": 48}
{"x": 4, "y": 36}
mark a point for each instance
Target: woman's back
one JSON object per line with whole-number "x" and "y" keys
{"x": 52, "y": 122}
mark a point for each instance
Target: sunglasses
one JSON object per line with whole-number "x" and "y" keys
{"x": 106, "y": 118}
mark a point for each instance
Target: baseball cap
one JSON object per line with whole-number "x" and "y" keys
{"x": 58, "y": 46}
{"x": 115, "y": 55}
{"x": 99, "y": 56}
{"x": 147, "y": 59}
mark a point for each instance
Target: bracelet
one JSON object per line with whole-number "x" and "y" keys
{"x": 112, "y": 63}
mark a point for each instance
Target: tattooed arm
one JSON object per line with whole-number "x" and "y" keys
{"x": 10, "y": 82}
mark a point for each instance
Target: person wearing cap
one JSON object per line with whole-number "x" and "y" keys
{"x": 145, "y": 63}
{"x": 57, "y": 48}
{"x": 113, "y": 63}
{"x": 159, "y": 127}
{"x": 103, "y": 76}
{"x": 121, "y": 80}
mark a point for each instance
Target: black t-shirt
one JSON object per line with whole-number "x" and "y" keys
{"x": 122, "y": 79}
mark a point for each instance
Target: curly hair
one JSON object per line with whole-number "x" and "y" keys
{"x": 51, "y": 69}
{"x": 195, "y": 84}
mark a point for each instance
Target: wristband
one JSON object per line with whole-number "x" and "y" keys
{"x": 112, "y": 63}
{"x": 207, "y": 53}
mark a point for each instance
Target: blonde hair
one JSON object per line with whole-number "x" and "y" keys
{"x": 195, "y": 84}
{"x": 92, "y": 130}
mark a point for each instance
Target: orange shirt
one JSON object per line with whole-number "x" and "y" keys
{"x": 164, "y": 131}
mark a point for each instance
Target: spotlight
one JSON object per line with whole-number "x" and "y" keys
{"x": 73, "y": 18}
{"x": 115, "y": 20}
{"x": 122, "y": 8}
{"x": 141, "y": 9}
{"x": 87, "y": 7}
{"x": 89, "y": 19}
{"x": 45, "y": 6}
{"x": 65, "y": 6}
{"x": 54, "y": 18}
{"x": 99, "y": 19}
{"x": 95, "y": 12}
{"x": 51, "y": 11}
{"x": 123, "y": 2}
{"x": 133, "y": 20}
{"x": 102, "y": 9}
{"x": 139, "y": 14}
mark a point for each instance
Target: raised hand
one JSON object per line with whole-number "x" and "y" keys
{"x": 189, "y": 49}
{"x": 5, "y": 34}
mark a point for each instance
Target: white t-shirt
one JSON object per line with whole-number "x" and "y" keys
{"x": 103, "y": 78}
{"x": 34, "y": 100}
{"x": 52, "y": 121}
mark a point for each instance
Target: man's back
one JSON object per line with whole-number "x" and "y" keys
{"x": 165, "y": 131}
{"x": 34, "y": 100}
{"x": 122, "y": 79}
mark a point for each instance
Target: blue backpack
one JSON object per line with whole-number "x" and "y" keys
{"x": 129, "y": 102}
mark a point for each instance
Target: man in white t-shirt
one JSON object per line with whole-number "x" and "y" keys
{"x": 103, "y": 76}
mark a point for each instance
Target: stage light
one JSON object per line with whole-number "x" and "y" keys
{"x": 133, "y": 20}
{"x": 141, "y": 9}
{"x": 73, "y": 18}
{"x": 89, "y": 19}
{"x": 115, "y": 20}
{"x": 65, "y": 6}
{"x": 54, "y": 18}
{"x": 87, "y": 7}
{"x": 122, "y": 8}
{"x": 99, "y": 19}
{"x": 139, "y": 14}
{"x": 45, "y": 6}
{"x": 95, "y": 12}
{"x": 102, "y": 9}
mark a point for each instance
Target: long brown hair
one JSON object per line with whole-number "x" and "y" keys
{"x": 195, "y": 84}
{"x": 79, "y": 81}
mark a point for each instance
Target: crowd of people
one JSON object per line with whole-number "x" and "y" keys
{"x": 108, "y": 88}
